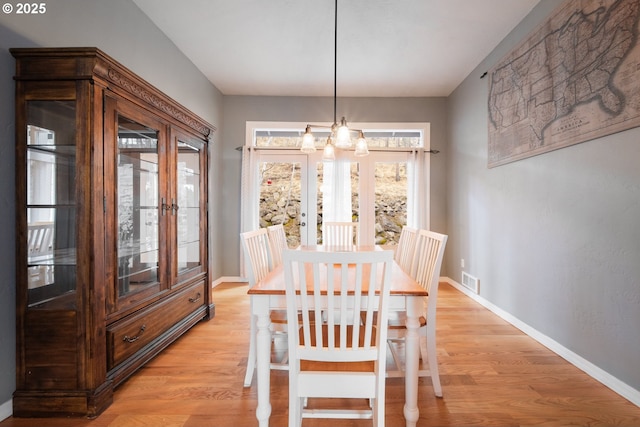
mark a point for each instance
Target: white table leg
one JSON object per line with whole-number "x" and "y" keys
{"x": 263, "y": 350}
{"x": 412, "y": 348}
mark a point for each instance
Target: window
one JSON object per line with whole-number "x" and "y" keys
{"x": 385, "y": 190}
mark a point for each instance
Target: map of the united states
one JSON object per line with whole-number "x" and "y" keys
{"x": 571, "y": 81}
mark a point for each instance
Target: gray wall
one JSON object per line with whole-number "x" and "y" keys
{"x": 120, "y": 29}
{"x": 240, "y": 109}
{"x": 554, "y": 239}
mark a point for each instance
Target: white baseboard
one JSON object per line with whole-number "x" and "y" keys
{"x": 227, "y": 279}
{"x": 589, "y": 368}
{"x": 6, "y": 410}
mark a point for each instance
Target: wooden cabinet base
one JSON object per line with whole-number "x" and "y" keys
{"x": 47, "y": 403}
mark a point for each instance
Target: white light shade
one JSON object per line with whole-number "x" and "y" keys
{"x": 343, "y": 135}
{"x": 361, "y": 146}
{"x": 308, "y": 142}
{"x": 329, "y": 153}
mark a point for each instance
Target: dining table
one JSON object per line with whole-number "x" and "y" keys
{"x": 269, "y": 294}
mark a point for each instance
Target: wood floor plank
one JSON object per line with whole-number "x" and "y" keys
{"x": 492, "y": 375}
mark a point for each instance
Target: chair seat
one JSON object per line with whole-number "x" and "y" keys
{"x": 398, "y": 320}
{"x": 313, "y": 365}
{"x": 279, "y": 316}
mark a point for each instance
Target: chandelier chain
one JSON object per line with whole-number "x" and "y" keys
{"x": 335, "y": 63}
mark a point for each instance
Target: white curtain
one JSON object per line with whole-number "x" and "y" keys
{"x": 336, "y": 187}
{"x": 249, "y": 198}
{"x": 418, "y": 182}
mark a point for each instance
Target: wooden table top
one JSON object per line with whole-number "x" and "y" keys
{"x": 401, "y": 283}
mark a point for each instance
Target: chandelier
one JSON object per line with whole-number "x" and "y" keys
{"x": 340, "y": 132}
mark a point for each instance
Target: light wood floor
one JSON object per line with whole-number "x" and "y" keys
{"x": 492, "y": 375}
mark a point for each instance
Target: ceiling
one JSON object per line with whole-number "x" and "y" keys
{"x": 386, "y": 48}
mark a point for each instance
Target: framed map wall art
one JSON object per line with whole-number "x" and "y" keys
{"x": 575, "y": 78}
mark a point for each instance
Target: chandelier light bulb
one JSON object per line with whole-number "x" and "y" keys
{"x": 329, "y": 153}
{"x": 361, "y": 146}
{"x": 343, "y": 135}
{"x": 308, "y": 141}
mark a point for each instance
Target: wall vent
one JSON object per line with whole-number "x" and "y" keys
{"x": 470, "y": 282}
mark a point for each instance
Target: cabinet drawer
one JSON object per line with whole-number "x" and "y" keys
{"x": 130, "y": 335}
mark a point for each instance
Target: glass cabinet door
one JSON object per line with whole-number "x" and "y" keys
{"x": 51, "y": 177}
{"x": 137, "y": 189}
{"x": 188, "y": 206}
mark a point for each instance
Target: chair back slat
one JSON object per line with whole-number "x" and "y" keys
{"x": 255, "y": 245}
{"x": 277, "y": 242}
{"x": 406, "y": 248}
{"x": 40, "y": 239}
{"x": 429, "y": 251}
{"x": 340, "y": 234}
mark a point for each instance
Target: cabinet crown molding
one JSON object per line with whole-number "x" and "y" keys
{"x": 75, "y": 63}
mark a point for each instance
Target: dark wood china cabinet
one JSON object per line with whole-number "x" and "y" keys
{"x": 112, "y": 250}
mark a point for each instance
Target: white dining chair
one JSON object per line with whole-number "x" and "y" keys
{"x": 340, "y": 234}
{"x": 429, "y": 252}
{"x": 339, "y": 357}
{"x": 405, "y": 250}
{"x": 256, "y": 248}
{"x": 278, "y": 242}
{"x": 40, "y": 239}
